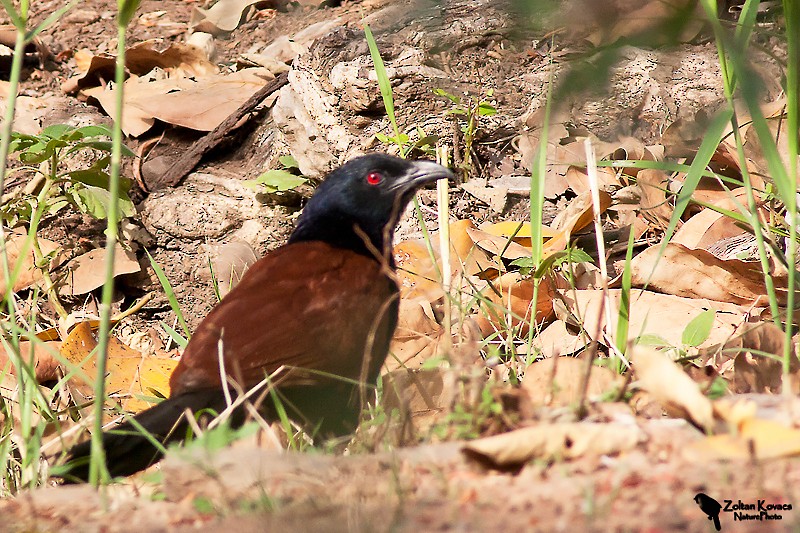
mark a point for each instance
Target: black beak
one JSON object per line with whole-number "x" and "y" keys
{"x": 420, "y": 173}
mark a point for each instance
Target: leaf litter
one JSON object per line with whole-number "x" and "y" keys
{"x": 701, "y": 274}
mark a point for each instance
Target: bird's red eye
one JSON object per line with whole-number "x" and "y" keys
{"x": 374, "y": 178}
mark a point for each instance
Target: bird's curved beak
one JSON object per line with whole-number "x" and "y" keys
{"x": 422, "y": 172}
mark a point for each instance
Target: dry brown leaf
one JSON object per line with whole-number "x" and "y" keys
{"x": 45, "y": 364}
{"x": 417, "y": 336}
{"x": 578, "y": 179}
{"x": 87, "y": 271}
{"x": 520, "y": 232}
{"x": 28, "y": 110}
{"x": 498, "y": 246}
{"x": 753, "y": 371}
{"x": 417, "y": 395}
{"x": 419, "y": 275}
{"x": 222, "y": 17}
{"x": 697, "y": 232}
{"x": 29, "y": 273}
{"x": 199, "y": 104}
{"x": 557, "y": 382}
{"x": 755, "y": 439}
{"x": 668, "y": 384}
{"x": 699, "y": 274}
{"x": 129, "y": 372}
{"x": 577, "y": 215}
{"x": 557, "y": 340}
{"x": 177, "y": 61}
{"x": 229, "y": 262}
{"x": 527, "y": 143}
{"x": 416, "y": 271}
{"x": 511, "y": 298}
{"x": 652, "y": 314}
{"x": 654, "y": 185}
{"x": 651, "y": 20}
{"x": 554, "y": 441}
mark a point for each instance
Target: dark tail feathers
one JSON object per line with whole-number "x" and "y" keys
{"x": 128, "y": 451}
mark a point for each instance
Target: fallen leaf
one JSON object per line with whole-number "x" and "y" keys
{"x": 757, "y": 355}
{"x": 510, "y": 303}
{"x": 176, "y": 61}
{"x": 46, "y": 366}
{"x": 129, "y": 372}
{"x": 417, "y": 395}
{"x": 557, "y": 382}
{"x": 557, "y": 340}
{"x": 222, "y": 17}
{"x": 554, "y": 441}
{"x": 229, "y": 262}
{"x": 417, "y": 336}
{"x": 498, "y": 246}
{"x": 199, "y": 104}
{"x": 29, "y": 273}
{"x": 755, "y": 439}
{"x": 652, "y": 316}
{"x": 653, "y": 204}
{"x": 87, "y": 271}
{"x": 700, "y": 274}
{"x": 668, "y": 384}
{"x": 578, "y": 214}
{"x": 578, "y": 179}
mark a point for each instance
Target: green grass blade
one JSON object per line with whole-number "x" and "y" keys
{"x": 173, "y": 300}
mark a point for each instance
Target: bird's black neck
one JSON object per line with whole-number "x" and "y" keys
{"x": 343, "y": 232}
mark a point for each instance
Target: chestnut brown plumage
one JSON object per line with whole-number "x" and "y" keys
{"x": 316, "y": 314}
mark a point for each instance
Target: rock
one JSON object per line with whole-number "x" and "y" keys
{"x": 204, "y": 206}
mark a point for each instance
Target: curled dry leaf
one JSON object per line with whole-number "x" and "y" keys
{"x": 510, "y": 303}
{"x": 577, "y": 215}
{"x": 699, "y": 274}
{"x": 29, "y": 273}
{"x": 498, "y": 246}
{"x": 177, "y": 61}
{"x": 554, "y": 441}
{"x": 705, "y": 228}
{"x": 668, "y": 384}
{"x": 578, "y": 179}
{"x": 129, "y": 372}
{"x": 284, "y": 49}
{"x": 557, "y": 382}
{"x": 519, "y": 232}
{"x": 655, "y": 20}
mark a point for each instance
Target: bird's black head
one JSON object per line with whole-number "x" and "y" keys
{"x": 363, "y": 200}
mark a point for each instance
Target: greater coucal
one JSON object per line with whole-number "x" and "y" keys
{"x": 321, "y": 310}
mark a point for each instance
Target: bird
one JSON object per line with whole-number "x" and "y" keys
{"x": 710, "y": 507}
{"x": 315, "y": 317}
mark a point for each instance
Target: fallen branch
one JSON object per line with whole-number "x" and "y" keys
{"x": 192, "y": 157}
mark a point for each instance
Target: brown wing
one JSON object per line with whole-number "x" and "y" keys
{"x": 305, "y": 305}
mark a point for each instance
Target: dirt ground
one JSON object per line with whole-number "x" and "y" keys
{"x": 471, "y": 47}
